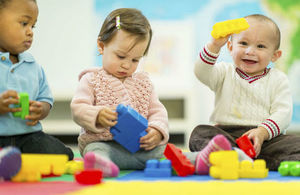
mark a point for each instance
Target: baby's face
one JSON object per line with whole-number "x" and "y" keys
{"x": 17, "y": 19}
{"x": 253, "y": 49}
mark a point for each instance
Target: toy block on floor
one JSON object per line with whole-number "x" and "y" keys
{"x": 156, "y": 168}
{"x": 23, "y": 104}
{"x": 222, "y": 29}
{"x": 130, "y": 128}
{"x": 36, "y": 165}
{"x": 74, "y": 166}
{"x": 225, "y": 165}
{"x": 287, "y": 168}
{"x": 246, "y": 145}
{"x": 90, "y": 176}
{"x": 179, "y": 161}
{"x": 256, "y": 169}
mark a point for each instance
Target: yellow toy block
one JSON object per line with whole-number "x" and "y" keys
{"x": 74, "y": 166}
{"x": 35, "y": 165}
{"x": 257, "y": 169}
{"x": 222, "y": 29}
{"x": 225, "y": 165}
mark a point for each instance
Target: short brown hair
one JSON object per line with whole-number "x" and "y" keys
{"x": 4, "y": 2}
{"x": 131, "y": 20}
{"x": 261, "y": 17}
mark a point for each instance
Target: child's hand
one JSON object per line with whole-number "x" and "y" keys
{"x": 215, "y": 45}
{"x": 35, "y": 112}
{"x": 6, "y": 98}
{"x": 107, "y": 117}
{"x": 258, "y": 136}
{"x": 151, "y": 140}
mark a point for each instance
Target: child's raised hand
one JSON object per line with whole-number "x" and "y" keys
{"x": 107, "y": 117}
{"x": 258, "y": 136}
{"x": 6, "y": 98}
{"x": 215, "y": 45}
{"x": 151, "y": 140}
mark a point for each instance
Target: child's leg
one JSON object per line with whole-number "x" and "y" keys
{"x": 40, "y": 142}
{"x": 217, "y": 143}
{"x": 202, "y": 134}
{"x": 10, "y": 162}
{"x": 280, "y": 148}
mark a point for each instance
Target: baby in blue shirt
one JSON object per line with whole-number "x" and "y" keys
{"x": 19, "y": 72}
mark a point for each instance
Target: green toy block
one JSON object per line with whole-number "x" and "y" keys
{"x": 289, "y": 168}
{"x": 24, "y": 105}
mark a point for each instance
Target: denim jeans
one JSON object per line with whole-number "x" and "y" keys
{"x": 36, "y": 142}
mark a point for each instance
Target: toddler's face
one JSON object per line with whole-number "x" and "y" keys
{"x": 253, "y": 49}
{"x": 122, "y": 54}
{"x": 17, "y": 19}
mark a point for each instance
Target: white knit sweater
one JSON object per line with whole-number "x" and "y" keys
{"x": 264, "y": 100}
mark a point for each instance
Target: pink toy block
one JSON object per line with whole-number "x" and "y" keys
{"x": 90, "y": 176}
{"x": 180, "y": 163}
{"x": 245, "y": 144}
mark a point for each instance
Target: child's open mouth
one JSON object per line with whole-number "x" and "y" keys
{"x": 249, "y": 61}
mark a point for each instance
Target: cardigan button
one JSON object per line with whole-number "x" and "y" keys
{"x": 3, "y": 58}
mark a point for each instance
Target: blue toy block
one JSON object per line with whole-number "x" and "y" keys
{"x": 155, "y": 168}
{"x": 130, "y": 128}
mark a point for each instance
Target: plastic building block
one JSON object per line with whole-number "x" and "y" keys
{"x": 90, "y": 176}
{"x": 156, "y": 168}
{"x": 130, "y": 128}
{"x": 287, "y": 168}
{"x": 256, "y": 169}
{"x": 180, "y": 163}
{"x": 225, "y": 165}
{"x": 74, "y": 166}
{"x": 36, "y": 165}
{"x": 10, "y": 162}
{"x": 222, "y": 29}
{"x": 24, "y": 104}
{"x": 246, "y": 145}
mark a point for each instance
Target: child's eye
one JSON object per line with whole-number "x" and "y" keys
{"x": 243, "y": 43}
{"x": 121, "y": 57}
{"x": 24, "y": 23}
{"x": 261, "y": 46}
{"x": 135, "y": 60}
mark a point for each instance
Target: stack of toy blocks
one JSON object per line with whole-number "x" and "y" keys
{"x": 156, "y": 168}
{"x": 222, "y": 29}
{"x": 180, "y": 163}
{"x": 225, "y": 165}
{"x": 35, "y": 165}
{"x": 287, "y": 168}
{"x": 130, "y": 128}
{"x": 24, "y": 105}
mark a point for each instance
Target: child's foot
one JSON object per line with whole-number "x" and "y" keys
{"x": 10, "y": 162}
{"x": 95, "y": 161}
{"x": 219, "y": 142}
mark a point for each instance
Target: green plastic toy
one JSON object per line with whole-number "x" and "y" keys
{"x": 287, "y": 168}
{"x": 24, "y": 105}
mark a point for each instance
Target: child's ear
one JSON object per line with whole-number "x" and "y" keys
{"x": 229, "y": 45}
{"x": 100, "y": 45}
{"x": 276, "y": 55}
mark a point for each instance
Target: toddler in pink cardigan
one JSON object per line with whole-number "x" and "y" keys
{"x": 124, "y": 39}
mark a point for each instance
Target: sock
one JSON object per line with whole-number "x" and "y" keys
{"x": 242, "y": 155}
{"x": 95, "y": 161}
{"x": 219, "y": 142}
{"x": 10, "y": 162}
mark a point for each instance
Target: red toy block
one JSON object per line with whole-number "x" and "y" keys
{"x": 180, "y": 163}
{"x": 91, "y": 176}
{"x": 246, "y": 145}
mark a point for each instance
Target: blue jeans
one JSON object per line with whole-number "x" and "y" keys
{"x": 36, "y": 142}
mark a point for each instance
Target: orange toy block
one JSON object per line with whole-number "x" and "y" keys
{"x": 36, "y": 165}
{"x": 222, "y": 29}
{"x": 180, "y": 163}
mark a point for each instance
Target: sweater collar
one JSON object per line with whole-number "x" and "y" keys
{"x": 249, "y": 78}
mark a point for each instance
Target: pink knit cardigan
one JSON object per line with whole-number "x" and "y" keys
{"x": 98, "y": 89}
